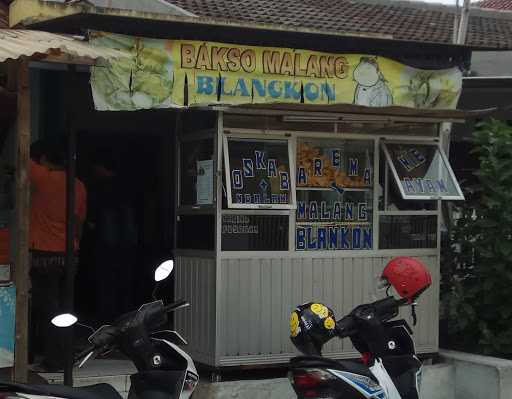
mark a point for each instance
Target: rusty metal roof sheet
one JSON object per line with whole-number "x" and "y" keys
{"x": 4, "y": 15}
{"x": 27, "y": 43}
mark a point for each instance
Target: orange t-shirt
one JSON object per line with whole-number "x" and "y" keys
{"x": 48, "y": 208}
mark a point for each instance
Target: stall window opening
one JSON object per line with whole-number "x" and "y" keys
{"x": 422, "y": 171}
{"x": 258, "y": 173}
{"x": 416, "y": 176}
{"x": 334, "y": 194}
{"x": 259, "y": 189}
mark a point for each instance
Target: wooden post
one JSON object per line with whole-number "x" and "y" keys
{"x": 70, "y": 251}
{"x": 21, "y": 263}
{"x": 69, "y": 300}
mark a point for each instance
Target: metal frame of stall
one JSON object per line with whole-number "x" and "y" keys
{"x": 241, "y": 301}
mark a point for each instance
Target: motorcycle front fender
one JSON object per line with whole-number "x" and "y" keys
{"x": 157, "y": 384}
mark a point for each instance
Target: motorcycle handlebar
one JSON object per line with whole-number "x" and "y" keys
{"x": 84, "y": 353}
{"x": 150, "y": 317}
{"x": 381, "y": 310}
{"x": 387, "y": 308}
{"x": 176, "y": 305}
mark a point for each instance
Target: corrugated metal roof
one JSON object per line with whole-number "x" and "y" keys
{"x": 27, "y": 43}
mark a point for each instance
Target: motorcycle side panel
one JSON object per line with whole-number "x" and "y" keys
{"x": 385, "y": 381}
{"x": 405, "y": 371}
{"x": 157, "y": 384}
{"x": 343, "y": 385}
{"x": 361, "y": 383}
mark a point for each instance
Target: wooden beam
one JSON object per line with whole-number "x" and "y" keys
{"x": 21, "y": 265}
{"x": 69, "y": 59}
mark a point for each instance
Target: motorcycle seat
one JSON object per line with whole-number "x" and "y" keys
{"x": 97, "y": 391}
{"x": 322, "y": 362}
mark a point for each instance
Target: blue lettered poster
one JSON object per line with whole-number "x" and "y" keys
{"x": 7, "y": 317}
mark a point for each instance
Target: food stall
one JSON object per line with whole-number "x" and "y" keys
{"x": 299, "y": 175}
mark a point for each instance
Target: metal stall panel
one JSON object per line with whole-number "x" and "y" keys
{"x": 258, "y": 295}
{"x": 195, "y": 281}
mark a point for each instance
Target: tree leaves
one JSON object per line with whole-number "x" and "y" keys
{"x": 477, "y": 262}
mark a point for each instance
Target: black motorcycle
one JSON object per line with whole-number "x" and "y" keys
{"x": 389, "y": 368}
{"x": 164, "y": 370}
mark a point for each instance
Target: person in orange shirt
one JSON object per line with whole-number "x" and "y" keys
{"x": 47, "y": 241}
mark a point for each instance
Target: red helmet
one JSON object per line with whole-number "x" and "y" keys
{"x": 408, "y": 276}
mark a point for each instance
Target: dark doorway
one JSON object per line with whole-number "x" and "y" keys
{"x": 129, "y": 227}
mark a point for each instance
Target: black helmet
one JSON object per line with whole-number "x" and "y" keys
{"x": 311, "y": 326}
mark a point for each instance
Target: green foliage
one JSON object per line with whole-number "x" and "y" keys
{"x": 477, "y": 275}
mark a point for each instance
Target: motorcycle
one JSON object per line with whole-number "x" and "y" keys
{"x": 164, "y": 370}
{"x": 389, "y": 368}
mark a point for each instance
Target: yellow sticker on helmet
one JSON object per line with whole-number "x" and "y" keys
{"x": 294, "y": 324}
{"x": 320, "y": 310}
{"x": 329, "y": 323}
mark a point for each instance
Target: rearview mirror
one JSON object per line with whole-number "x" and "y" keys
{"x": 64, "y": 320}
{"x": 164, "y": 270}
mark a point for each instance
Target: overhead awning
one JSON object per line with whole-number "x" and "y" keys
{"x": 30, "y": 43}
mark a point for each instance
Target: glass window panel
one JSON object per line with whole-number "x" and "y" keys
{"x": 196, "y": 232}
{"x": 315, "y": 206}
{"x": 421, "y": 171}
{"x": 408, "y": 231}
{"x": 254, "y": 232}
{"x": 334, "y": 164}
{"x": 334, "y": 194}
{"x": 392, "y": 199}
{"x": 258, "y": 173}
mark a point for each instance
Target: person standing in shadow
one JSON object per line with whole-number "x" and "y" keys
{"x": 112, "y": 220}
{"x": 47, "y": 242}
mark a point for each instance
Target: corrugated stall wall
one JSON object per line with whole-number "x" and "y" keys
{"x": 258, "y": 294}
{"x": 195, "y": 282}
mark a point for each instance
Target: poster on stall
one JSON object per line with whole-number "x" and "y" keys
{"x": 7, "y": 317}
{"x": 204, "y": 184}
{"x": 160, "y": 73}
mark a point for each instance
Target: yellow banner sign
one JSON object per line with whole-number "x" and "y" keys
{"x": 164, "y": 73}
